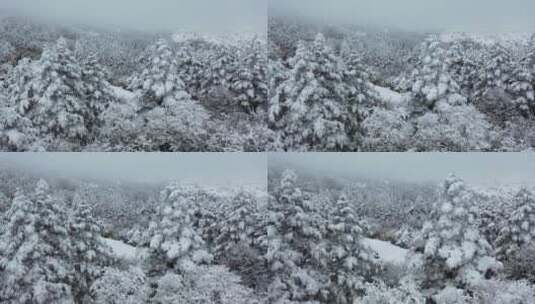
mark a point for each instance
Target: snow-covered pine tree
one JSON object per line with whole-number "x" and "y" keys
{"x": 88, "y": 254}
{"x": 96, "y": 88}
{"x": 309, "y": 109}
{"x": 250, "y": 82}
{"x": 158, "y": 81}
{"x": 497, "y": 70}
{"x": 34, "y": 252}
{"x": 522, "y": 89}
{"x": 362, "y": 97}
{"x": 222, "y": 64}
{"x": 520, "y": 228}
{"x": 441, "y": 117}
{"x": 433, "y": 84}
{"x": 462, "y": 67}
{"x": 238, "y": 225}
{"x": 52, "y": 96}
{"x": 17, "y": 132}
{"x": 190, "y": 70}
{"x": 349, "y": 263}
{"x": 455, "y": 254}
{"x": 294, "y": 246}
{"x": 493, "y": 96}
{"x": 277, "y": 74}
{"x": 175, "y": 245}
{"x": 167, "y": 110}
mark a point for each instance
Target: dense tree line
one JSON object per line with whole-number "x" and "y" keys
{"x": 330, "y": 90}
{"x": 100, "y": 90}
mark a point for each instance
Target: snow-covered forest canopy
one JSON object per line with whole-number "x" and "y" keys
{"x": 336, "y": 86}
{"x": 70, "y": 236}
{"x": 68, "y": 87}
{"x": 351, "y": 236}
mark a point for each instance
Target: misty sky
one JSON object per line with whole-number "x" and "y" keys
{"x": 215, "y": 169}
{"x": 201, "y": 15}
{"x": 451, "y": 15}
{"x": 475, "y": 168}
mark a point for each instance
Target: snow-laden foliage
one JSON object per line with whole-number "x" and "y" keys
{"x": 116, "y": 286}
{"x": 516, "y": 240}
{"x": 309, "y": 107}
{"x": 432, "y": 92}
{"x": 290, "y": 242}
{"x": 51, "y": 96}
{"x": 174, "y": 243}
{"x": 350, "y": 262}
{"x": 249, "y": 83}
{"x": 441, "y": 115}
{"x": 406, "y": 293}
{"x": 194, "y": 94}
{"x": 43, "y": 256}
{"x": 206, "y": 284}
{"x": 454, "y": 252}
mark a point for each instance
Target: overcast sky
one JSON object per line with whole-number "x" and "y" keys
{"x": 204, "y": 15}
{"x": 215, "y": 169}
{"x": 455, "y": 15}
{"x": 482, "y": 169}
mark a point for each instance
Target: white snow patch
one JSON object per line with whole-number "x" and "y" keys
{"x": 124, "y": 251}
{"x": 387, "y": 252}
{"x": 389, "y": 96}
{"x": 123, "y": 94}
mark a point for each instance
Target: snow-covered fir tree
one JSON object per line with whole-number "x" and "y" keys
{"x": 309, "y": 109}
{"x": 522, "y": 89}
{"x": 238, "y": 225}
{"x": 440, "y": 114}
{"x": 168, "y": 112}
{"x": 250, "y": 82}
{"x": 462, "y": 68}
{"x": 455, "y": 254}
{"x": 52, "y": 96}
{"x": 520, "y": 226}
{"x": 35, "y": 251}
{"x": 348, "y": 261}
{"x": 497, "y": 70}
{"x": 190, "y": 70}
{"x": 88, "y": 254}
{"x": 433, "y": 85}
{"x": 362, "y": 97}
{"x": 293, "y": 237}
{"x": 96, "y": 88}
{"x": 175, "y": 245}
{"x": 218, "y": 76}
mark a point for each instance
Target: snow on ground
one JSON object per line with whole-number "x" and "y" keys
{"x": 387, "y": 252}
{"x": 392, "y": 97}
{"x": 124, "y": 251}
{"x": 123, "y": 94}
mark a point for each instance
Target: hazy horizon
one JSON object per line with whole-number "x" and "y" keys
{"x": 480, "y": 169}
{"x": 417, "y": 15}
{"x": 212, "y": 169}
{"x": 170, "y": 15}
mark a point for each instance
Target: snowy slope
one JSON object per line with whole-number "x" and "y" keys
{"x": 389, "y": 96}
{"x": 123, "y": 251}
{"x": 387, "y": 252}
{"x": 123, "y": 94}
